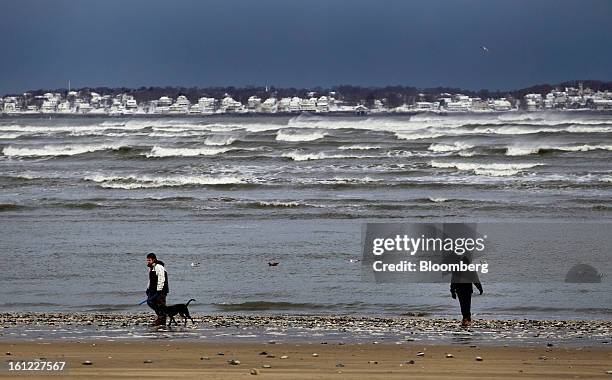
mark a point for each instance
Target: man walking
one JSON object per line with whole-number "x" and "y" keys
{"x": 158, "y": 289}
{"x": 461, "y": 287}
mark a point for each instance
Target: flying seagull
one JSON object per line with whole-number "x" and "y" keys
{"x": 484, "y": 49}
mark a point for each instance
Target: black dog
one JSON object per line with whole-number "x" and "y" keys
{"x": 181, "y": 309}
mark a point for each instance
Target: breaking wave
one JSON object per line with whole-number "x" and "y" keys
{"x": 299, "y": 156}
{"x": 56, "y": 150}
{"x": 492, "y": 169}
{"x": 218, "y": 140}
{"x": 130, "y": 182}
{"x": 536, "y": 149}
{"x": 418, "y": 135}
{"x": 11, "y": 135}
{"x": 290, "y": 135}
{"x": 158, "y": 151}
{"x": 275, "y": 204}
{"x": 437, "y": 200}
{"x": 358, "y": 147}
{"x": 455, "y": 147}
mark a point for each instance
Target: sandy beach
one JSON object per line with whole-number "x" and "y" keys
{"x": 111, "y": 345}
{"x": 191, "y": 360}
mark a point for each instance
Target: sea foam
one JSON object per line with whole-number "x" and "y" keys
{"x": 56, "y": 150}
{"x": 296, "y": 136}
{"x": 129, "y": 182}
{"x": 158, "y": 152}
{"x": 489, "y": 169}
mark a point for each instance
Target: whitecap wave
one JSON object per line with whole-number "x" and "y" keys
{"x": 10, "y": 136}
{"x": 218, "y": 140}
{"x": 279, "y": 204}
{"x": 582, "y": 148}
{"x": 535, "y": 149}
{"x": 358, "y": 147}
{"x": 130, "y": 182}
{"x": 338, "y": 181}
{"x": 418, "y": 135}
{"x": 176, "y": 134}
{"x": 291, "y": 135}
{"x": 299, "y": 156}
{"x": 56, "y": 150}
{"x": 521, "y": 150}
{"x": 158, "y": 151}
{"x": 526, "y": 130}
{"x": 455, "y": 147}
{"x": 466, "y": 153}
{"x": 75, "y": 129}
{"x": 489, "y": 169}
{"x": 438, "y": 200}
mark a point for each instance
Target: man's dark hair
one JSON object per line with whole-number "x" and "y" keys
{"x": 151, "y": 256}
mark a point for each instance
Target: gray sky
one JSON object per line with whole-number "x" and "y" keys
{"x": 302, "y": 43}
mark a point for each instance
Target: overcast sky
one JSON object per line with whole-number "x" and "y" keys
{"x": 132, "y": 43}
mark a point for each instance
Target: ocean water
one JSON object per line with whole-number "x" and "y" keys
{"x": 84, "y": 199}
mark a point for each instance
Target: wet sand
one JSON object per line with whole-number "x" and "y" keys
{"x": 28, "y": 326}
{"x": 192, "y": 360}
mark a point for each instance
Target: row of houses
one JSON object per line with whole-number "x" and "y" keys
{"x": 125, "y": 104}
{"x": 569, "y": 98}
{"x": 122, "y": 104}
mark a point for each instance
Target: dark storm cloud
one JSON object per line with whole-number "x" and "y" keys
{"x": 302, "y": 43}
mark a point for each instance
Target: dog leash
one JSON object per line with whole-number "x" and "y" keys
{"x": 147, "y": 299}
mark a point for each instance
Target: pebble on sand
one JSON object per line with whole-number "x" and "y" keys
{"x": 284, "y": 357}
{"x": 420, "y": 354}
{"x": 87, "y": 362}
{"x": 220, "y": 353}
{"x": 266, "y": 366}
{"x": 410, "y": 362}
{"x": 254, "y": 371}
{"x": 148, "y": 361}
{"x": 315, "y": 354}
{"x": 340, "y": 365}
{"x": 234, "y": 362}
{"x": 204, "y": 358}
{"x": 263, "y": 353}
{"x": 478, "y": 359}
{"x": 609, "y": 372}
{"x": 8, "y": 353}
{"x": 448, "y": 356}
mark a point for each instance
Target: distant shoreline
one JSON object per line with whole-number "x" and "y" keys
{"x": 291, "y": 114}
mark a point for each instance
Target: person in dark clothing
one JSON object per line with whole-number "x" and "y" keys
{"x": 461, "y": 287}
{"x": 158, "y": 288}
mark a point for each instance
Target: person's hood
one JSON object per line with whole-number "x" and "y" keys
{"x": 160, "y": 263}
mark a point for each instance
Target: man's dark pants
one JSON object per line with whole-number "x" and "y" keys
{"x": 465, "y": 300}
{"x": 158, "y": 304}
